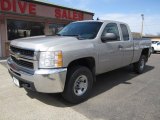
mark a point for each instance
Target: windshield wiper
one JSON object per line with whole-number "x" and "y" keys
{"x": 77, "y": 36}
{"x": 58, "y": 34}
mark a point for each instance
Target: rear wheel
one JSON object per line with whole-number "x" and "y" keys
{"x": 79, "y": 84}
{"x": 140, "y": 65}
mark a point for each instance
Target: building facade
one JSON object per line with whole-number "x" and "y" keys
{"x": 153, "y": 38}
{"x": 25, "y": 18}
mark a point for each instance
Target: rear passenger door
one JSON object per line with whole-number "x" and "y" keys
{"x": 127, "y": 45}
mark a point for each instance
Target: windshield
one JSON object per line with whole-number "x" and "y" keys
{"x": 82, "y": 30}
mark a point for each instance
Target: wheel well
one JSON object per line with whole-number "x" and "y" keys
{"x": 145, "y": 52}
{"x": 88, "y": 62}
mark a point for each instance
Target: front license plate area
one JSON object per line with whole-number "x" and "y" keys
{"x": 16, "y": 82}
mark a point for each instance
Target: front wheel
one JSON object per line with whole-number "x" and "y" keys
{"x": 140, "y": 65}
{"x": 79, "y": 84}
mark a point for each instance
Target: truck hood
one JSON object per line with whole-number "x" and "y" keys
{"x": 42, "y": 43}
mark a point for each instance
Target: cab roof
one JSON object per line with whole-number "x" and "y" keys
{"x": 103, "y": 21}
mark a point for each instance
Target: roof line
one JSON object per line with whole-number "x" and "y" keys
{"x": 55, "y": 5}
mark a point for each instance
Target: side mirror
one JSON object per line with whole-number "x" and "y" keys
{"x": 109, "y": 37}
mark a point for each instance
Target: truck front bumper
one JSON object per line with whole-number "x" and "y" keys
{"x": 40, "y": 80}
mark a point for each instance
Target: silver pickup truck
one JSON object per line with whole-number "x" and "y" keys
{"x": 68, "y": 62}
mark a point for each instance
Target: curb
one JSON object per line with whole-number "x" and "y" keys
{"x": 3, "y": 61}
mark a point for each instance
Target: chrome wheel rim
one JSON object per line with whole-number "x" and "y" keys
{"x": 80, "y": 85}
{"x": 142, "y": 64}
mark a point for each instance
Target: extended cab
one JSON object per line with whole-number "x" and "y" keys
{"x": 68, "y": 62}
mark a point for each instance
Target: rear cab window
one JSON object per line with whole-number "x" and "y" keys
{"x": 125, "y": 32}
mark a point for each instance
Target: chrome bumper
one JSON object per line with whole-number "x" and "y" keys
{"x": 44, "y": 80}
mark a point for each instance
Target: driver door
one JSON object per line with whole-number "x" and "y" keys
{"x": 110, "y": 53}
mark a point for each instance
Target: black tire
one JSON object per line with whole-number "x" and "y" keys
{"x": 153, "y": 50}
{"x": 140, "y": 65}
{"x": 73, "y": 75}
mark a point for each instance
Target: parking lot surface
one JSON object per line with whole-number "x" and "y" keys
{"x": 117, "y": 95}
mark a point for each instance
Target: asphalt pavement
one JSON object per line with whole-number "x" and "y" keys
{"x": 117, "y": 95}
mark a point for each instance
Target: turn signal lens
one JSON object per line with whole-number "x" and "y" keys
{"x": 58, "y": 59}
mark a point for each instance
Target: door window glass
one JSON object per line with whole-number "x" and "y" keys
{"x": 111, "y": 28}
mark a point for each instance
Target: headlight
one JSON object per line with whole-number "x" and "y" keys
{"x": 51, "y": 59}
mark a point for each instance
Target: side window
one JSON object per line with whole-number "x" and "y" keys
{"x": 111, "y": 28}
{"x": 125, "y": 33}
{"x": 158, "y": 43}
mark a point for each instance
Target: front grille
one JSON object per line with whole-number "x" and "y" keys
{"x": 23, "y": 63}
{"x": 21, "y": 51}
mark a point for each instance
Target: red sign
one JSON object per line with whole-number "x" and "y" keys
{"x": 68, "y": 14}
{"x": 13, "y": 6}
{"x": 23, "y": 7}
